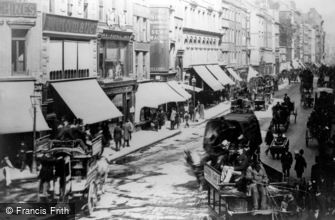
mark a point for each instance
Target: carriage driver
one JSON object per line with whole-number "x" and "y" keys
{"x": 287, "y": 99}
{"x": 257, "y": 175}
{"x": 239, "y": 167}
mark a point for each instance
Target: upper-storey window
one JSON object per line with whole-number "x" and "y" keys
{"x": 19, "y": 51}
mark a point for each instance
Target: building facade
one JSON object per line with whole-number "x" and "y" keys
{"x": 20, "y": 44}
{"x": 235, "y": 39}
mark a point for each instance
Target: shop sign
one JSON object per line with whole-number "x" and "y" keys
{"x": 68, "y": 24}
{"x": 107, "y": 35}
{"x": 142, "y": 46}
{"x": 111, "y": 91}
{"x": 17, "y": 9}
{"x": 159, "y": 36}
{"x": 212, "y": 176}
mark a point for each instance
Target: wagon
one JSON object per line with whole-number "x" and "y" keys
{"x": 278, "y": 146}
{"x": 76, "y": 170}
{"x": 225, "y": 202}
{"x": 320, "y": 125}
{"x": 282, "y": 116}
{"x": 306, "y": 99}
{"x": 241, "y": 106}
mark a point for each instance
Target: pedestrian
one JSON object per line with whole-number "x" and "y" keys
{"x": 286, "y": 162}
{"x": 173, "y": 118}
{"x": 187, "y": 118}
{"x": 178, "y": 119}
{"x": 46, "y": 174}
{"x": 161, "y": 118}
{"x": 106, "y": 134}
{"x": 268, "y": 139}
{"x": 117, "y": 137}
{"x": 7, "y": 166}
{"x": 22, "y": 156}
{"x": 191, "y": 111}
{"x": 127, "y": 129}
{"x": 202, "y": 111}
{"x": 300, "y": 164}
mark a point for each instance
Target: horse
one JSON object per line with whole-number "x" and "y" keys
{"x": 102, "y": 174}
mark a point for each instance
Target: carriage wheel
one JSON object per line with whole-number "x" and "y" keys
{"x": 307, "y": 137}
{"x": 91, "y": 198}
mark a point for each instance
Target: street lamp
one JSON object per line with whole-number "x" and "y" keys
{"x": 193, "y": 81}
{"x": 35, "y": 101}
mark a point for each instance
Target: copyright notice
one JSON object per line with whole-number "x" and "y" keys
{"x": 61, "y": 210}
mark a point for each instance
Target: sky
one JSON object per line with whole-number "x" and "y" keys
{"x": 325, "y": 7}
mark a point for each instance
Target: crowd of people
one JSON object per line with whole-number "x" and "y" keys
{"x": 177, "y": 115}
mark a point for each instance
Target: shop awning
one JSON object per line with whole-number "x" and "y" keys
{"x": 87, "y": 100}
{"x": 16, "y": 110}
{"x": 208, "y": 78}
{"x": 190, "y": 88}
{"x": 220, "y": 75}
{"x": 252, "y": 73}
{"x": 234, "y": 74}
{"x": 179, "y": 89}
{"x": 153, "y": 94}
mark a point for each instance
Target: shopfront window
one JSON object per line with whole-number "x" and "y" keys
{"x": 69, "y": 59}
{"x": 18, "y": 51}
{"x": 114, "y": 63}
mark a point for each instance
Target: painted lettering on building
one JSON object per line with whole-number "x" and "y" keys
{"x": 159, "y": 36}
{"x": 17, "y": 9}
{"x": 107, "y": 35}
{"x": 59, "y": 23}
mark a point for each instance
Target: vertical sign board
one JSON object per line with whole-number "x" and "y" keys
{"x": 159, "y": 36}
{"x": 212, "y": 176}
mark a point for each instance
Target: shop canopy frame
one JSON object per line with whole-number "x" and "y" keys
{"x": 17, "y": 114}
{"x": 220, "y": 75}
{"x": 252, "y": 73}
{"x": 234, "y": 75}
{"x": 191, "y": 88}
{"x": 179, "y": 89}
{"x": 86, "y": 99}
{"x": 153, "y": 94}
{"x": 208, "y": 78}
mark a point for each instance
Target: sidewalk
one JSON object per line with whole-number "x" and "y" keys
{"x": 140, "y": 139}
{"x": 143, "y": 139}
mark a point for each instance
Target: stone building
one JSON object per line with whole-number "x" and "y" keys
{"x": 235, "y": 39}
{"x": 20, "y": 45}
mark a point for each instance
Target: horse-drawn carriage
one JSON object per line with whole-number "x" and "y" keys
{"x": 306, "y": 89}
{"x": 278, "y": 145}
{"x": 228, "y": 200}
{"x": 77, "y": 170}
{"x": 241, "y": 106}
{"x": 320, "y": 125}
{"x": 281, "y": 115}
{"x": 262, "y": 88}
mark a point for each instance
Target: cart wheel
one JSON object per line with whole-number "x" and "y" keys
{"x": 91, "y": 198}
{"x": 307, "y": 137}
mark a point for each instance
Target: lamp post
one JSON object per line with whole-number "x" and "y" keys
{"x": 193, "y": 81}
{"x": 35, "y": 101}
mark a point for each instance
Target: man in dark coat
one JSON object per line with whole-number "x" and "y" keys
{"x": 300, "y": 164}
{"x": 47, "y": 172}
{"x": 117, "y": 137}
{"x": 23, "y": 155}
{"x": 286, "y": 162}
{"x": 268, "y": 139}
